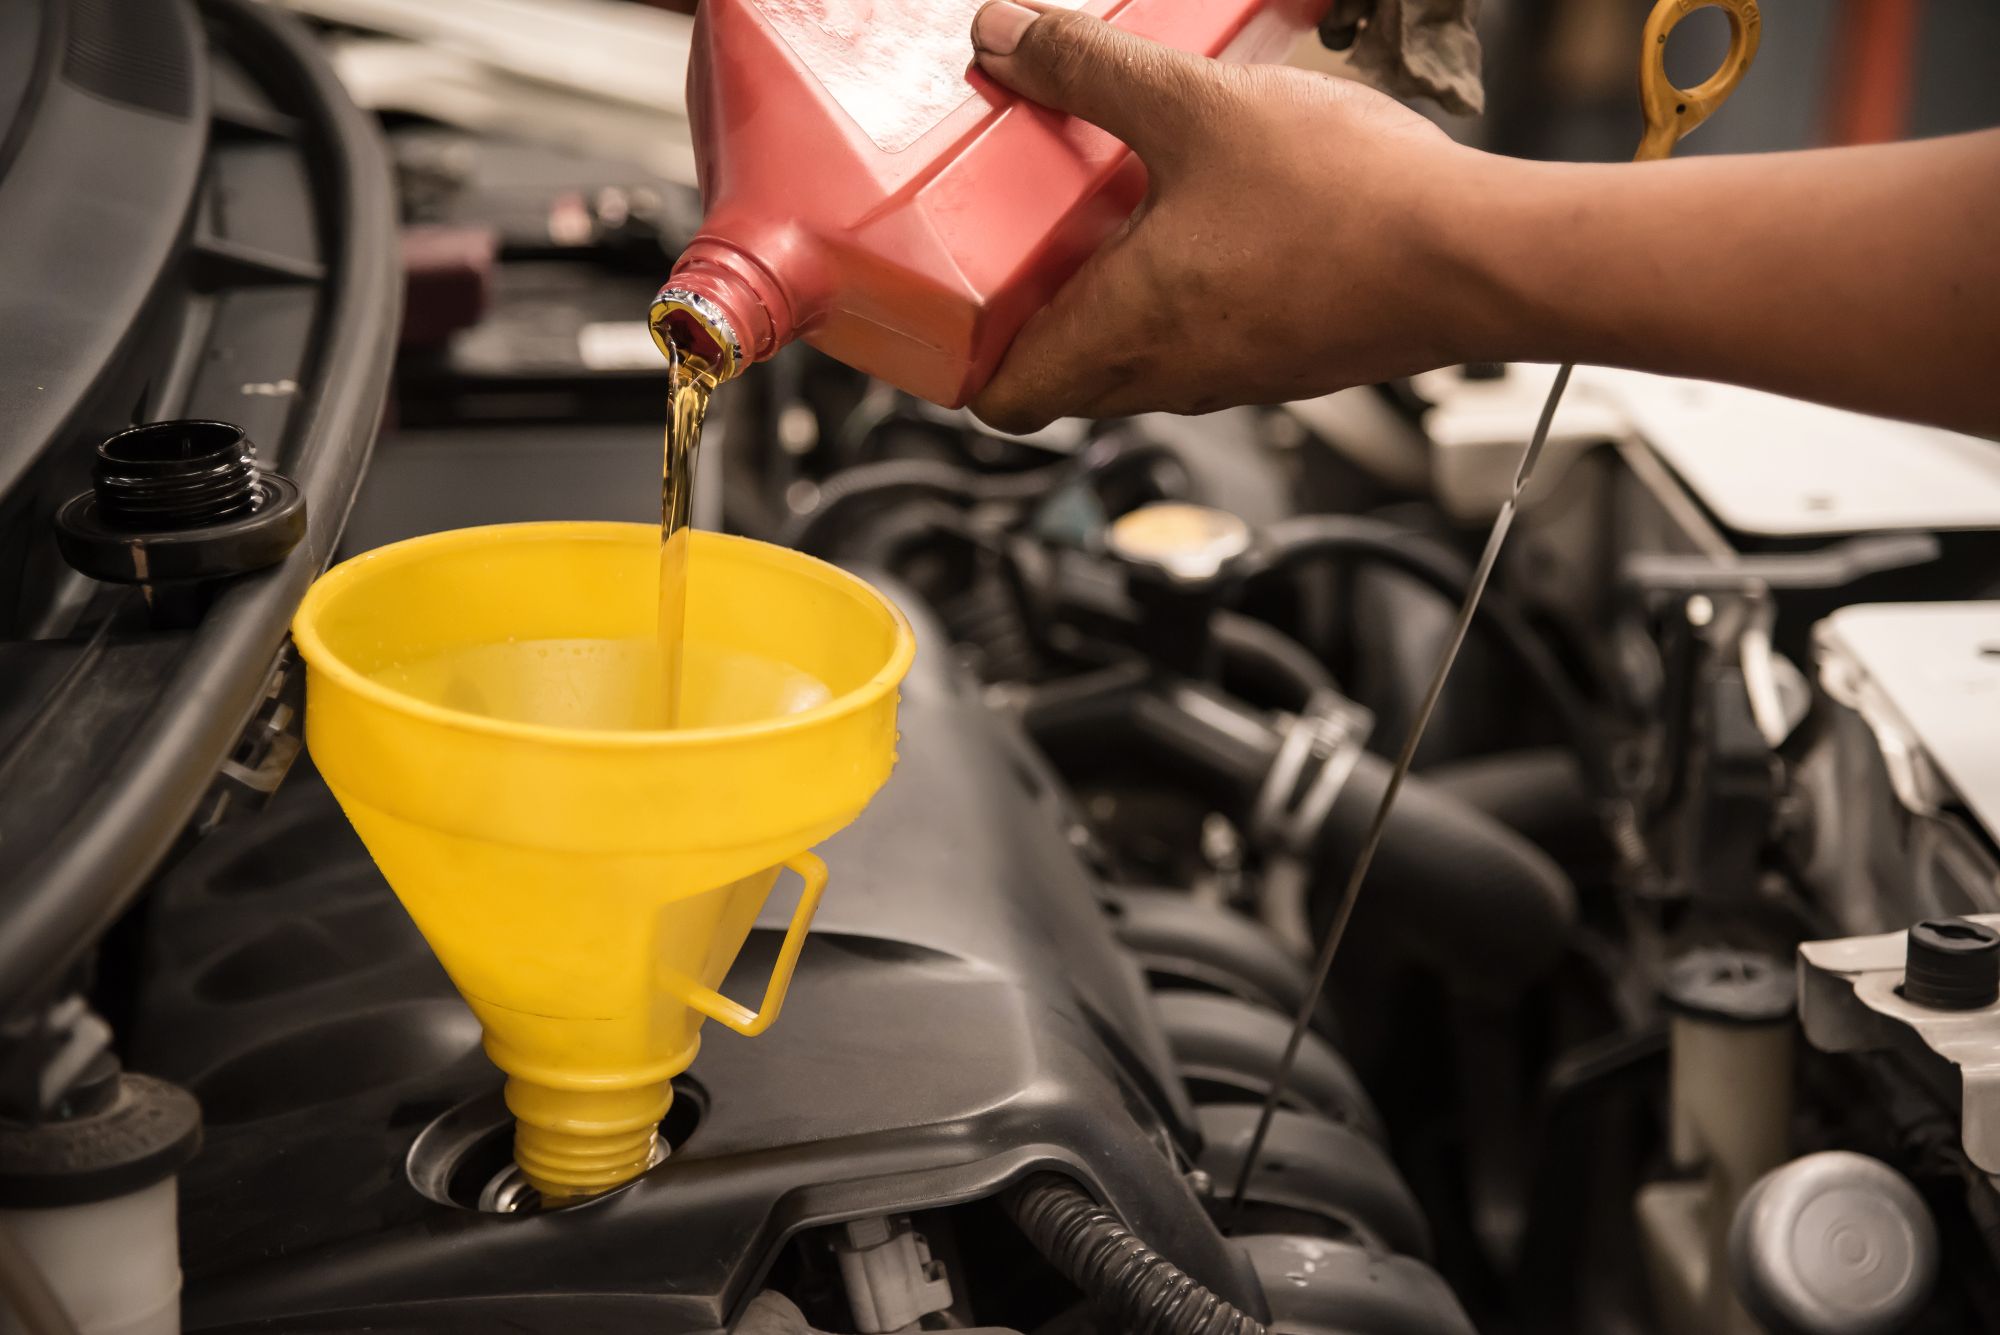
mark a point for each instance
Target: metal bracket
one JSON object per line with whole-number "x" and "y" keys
{"x": 1831, "y": 567}
{"x": 1850, "y": 1000}
{"x": 1778, "y": 692}
{"x": 263, "y": 755}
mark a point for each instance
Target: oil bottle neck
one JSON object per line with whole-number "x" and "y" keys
{"x": 723, "y": 306}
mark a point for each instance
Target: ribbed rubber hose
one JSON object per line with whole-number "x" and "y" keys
{"x": 1123, "y": 1277}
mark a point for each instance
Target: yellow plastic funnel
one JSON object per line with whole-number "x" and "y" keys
{"x": 483, "y": 703}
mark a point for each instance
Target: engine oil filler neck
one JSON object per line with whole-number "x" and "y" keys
{"x": 465, "y": 1157}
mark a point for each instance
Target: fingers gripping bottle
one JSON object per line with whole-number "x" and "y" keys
{"x": 870, "y": 191}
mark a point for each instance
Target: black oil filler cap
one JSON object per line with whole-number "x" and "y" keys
{"x": 1953, "y": 964}
{"x": 180, "y": 503}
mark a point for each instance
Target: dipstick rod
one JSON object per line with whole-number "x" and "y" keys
{"x": 1670, "y": 112}
{"x": 1352, "y": 892}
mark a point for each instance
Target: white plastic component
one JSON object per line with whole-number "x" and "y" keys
{"x": 594, "y": 76}
{"x": 1762, "y": 463}
{"x": 892, "y": 1282}
{"x": 1478, "y": 427}
{"x": 1731, "y": 1107}
{"x": 1361, "y": 426}
{"x": 1851, "y": 1000}
{"x": 617, "y": 345}
{"x": 1926, "y": 678}
{"x": 1778, "y": 467}
{"x": 1834, "y": 1243}
{"x": 114, "y": 1264}
{"x": 599, "y": 47}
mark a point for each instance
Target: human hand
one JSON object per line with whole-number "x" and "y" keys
{"x": 1292, "y": 240}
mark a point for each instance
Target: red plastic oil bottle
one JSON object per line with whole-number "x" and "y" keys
{"x": 868, "y": 190}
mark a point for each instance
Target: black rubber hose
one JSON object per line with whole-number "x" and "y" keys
{"x": 1468, "y": 897}
{"x": 1123, "y": 1277}
{"x": 883, "y": 545}
{"x": 1475, "y": 901}
{"x": 923, "y": 477}
{"x": 934, "y": 477}
{"x": 1281, "y": 671}
{"x": 1358, "y": 536}
{"x": 1540, "y": 794}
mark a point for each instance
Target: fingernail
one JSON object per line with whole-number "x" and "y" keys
{"x": 997, "y": 28}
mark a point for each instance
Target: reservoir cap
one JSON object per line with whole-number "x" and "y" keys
{"x": 1739, "y": 987}
{"x": 130, "y": 1133}
{"x": 1190, "y": 544}
{"x": 1833, "y": 1244}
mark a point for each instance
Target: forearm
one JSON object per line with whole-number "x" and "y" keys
{"x": 1864, "y": 277}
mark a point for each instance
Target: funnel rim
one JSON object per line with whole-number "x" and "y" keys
{"x": 320, "y": 657}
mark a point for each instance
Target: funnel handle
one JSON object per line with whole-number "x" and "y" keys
{"x": 741, "y": 1018}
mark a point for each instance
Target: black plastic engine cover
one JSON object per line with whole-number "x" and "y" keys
{"x": 960, "y": 1016}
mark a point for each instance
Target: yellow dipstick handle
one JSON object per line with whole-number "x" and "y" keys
{"x": 734, "y": 1014}
{"x": 1670, "y": 111}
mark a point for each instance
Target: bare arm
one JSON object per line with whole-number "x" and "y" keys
{"x": 1863, "y": 277}
{"x": 1303, "y": 234}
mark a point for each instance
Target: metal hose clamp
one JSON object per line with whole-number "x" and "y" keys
{"x": 1321, "y": 747}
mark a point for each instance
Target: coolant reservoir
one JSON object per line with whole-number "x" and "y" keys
{"x": 869, "y": 191}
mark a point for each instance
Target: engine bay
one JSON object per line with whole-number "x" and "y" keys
{"x": 1686, "y": 923}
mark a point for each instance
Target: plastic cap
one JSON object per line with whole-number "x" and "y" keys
{"x": 1952, "y": 964}
{"x": 180, "y": 501}
{"x": 1730, "y": 987}
{"x": 140, "y": 1135}
{"x": 1191, "y": 544}
{"x": 1833, "y": 1244}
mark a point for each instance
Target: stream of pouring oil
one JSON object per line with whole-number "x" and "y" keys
{"x": 689, "y": 384}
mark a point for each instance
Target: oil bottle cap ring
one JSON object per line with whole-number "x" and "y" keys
{"x": 697, "y": 327}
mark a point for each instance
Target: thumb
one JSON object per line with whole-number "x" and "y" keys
{"x": 1143, "y": 93}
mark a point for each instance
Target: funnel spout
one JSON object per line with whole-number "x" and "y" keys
{"x": 571, "y": 1143}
